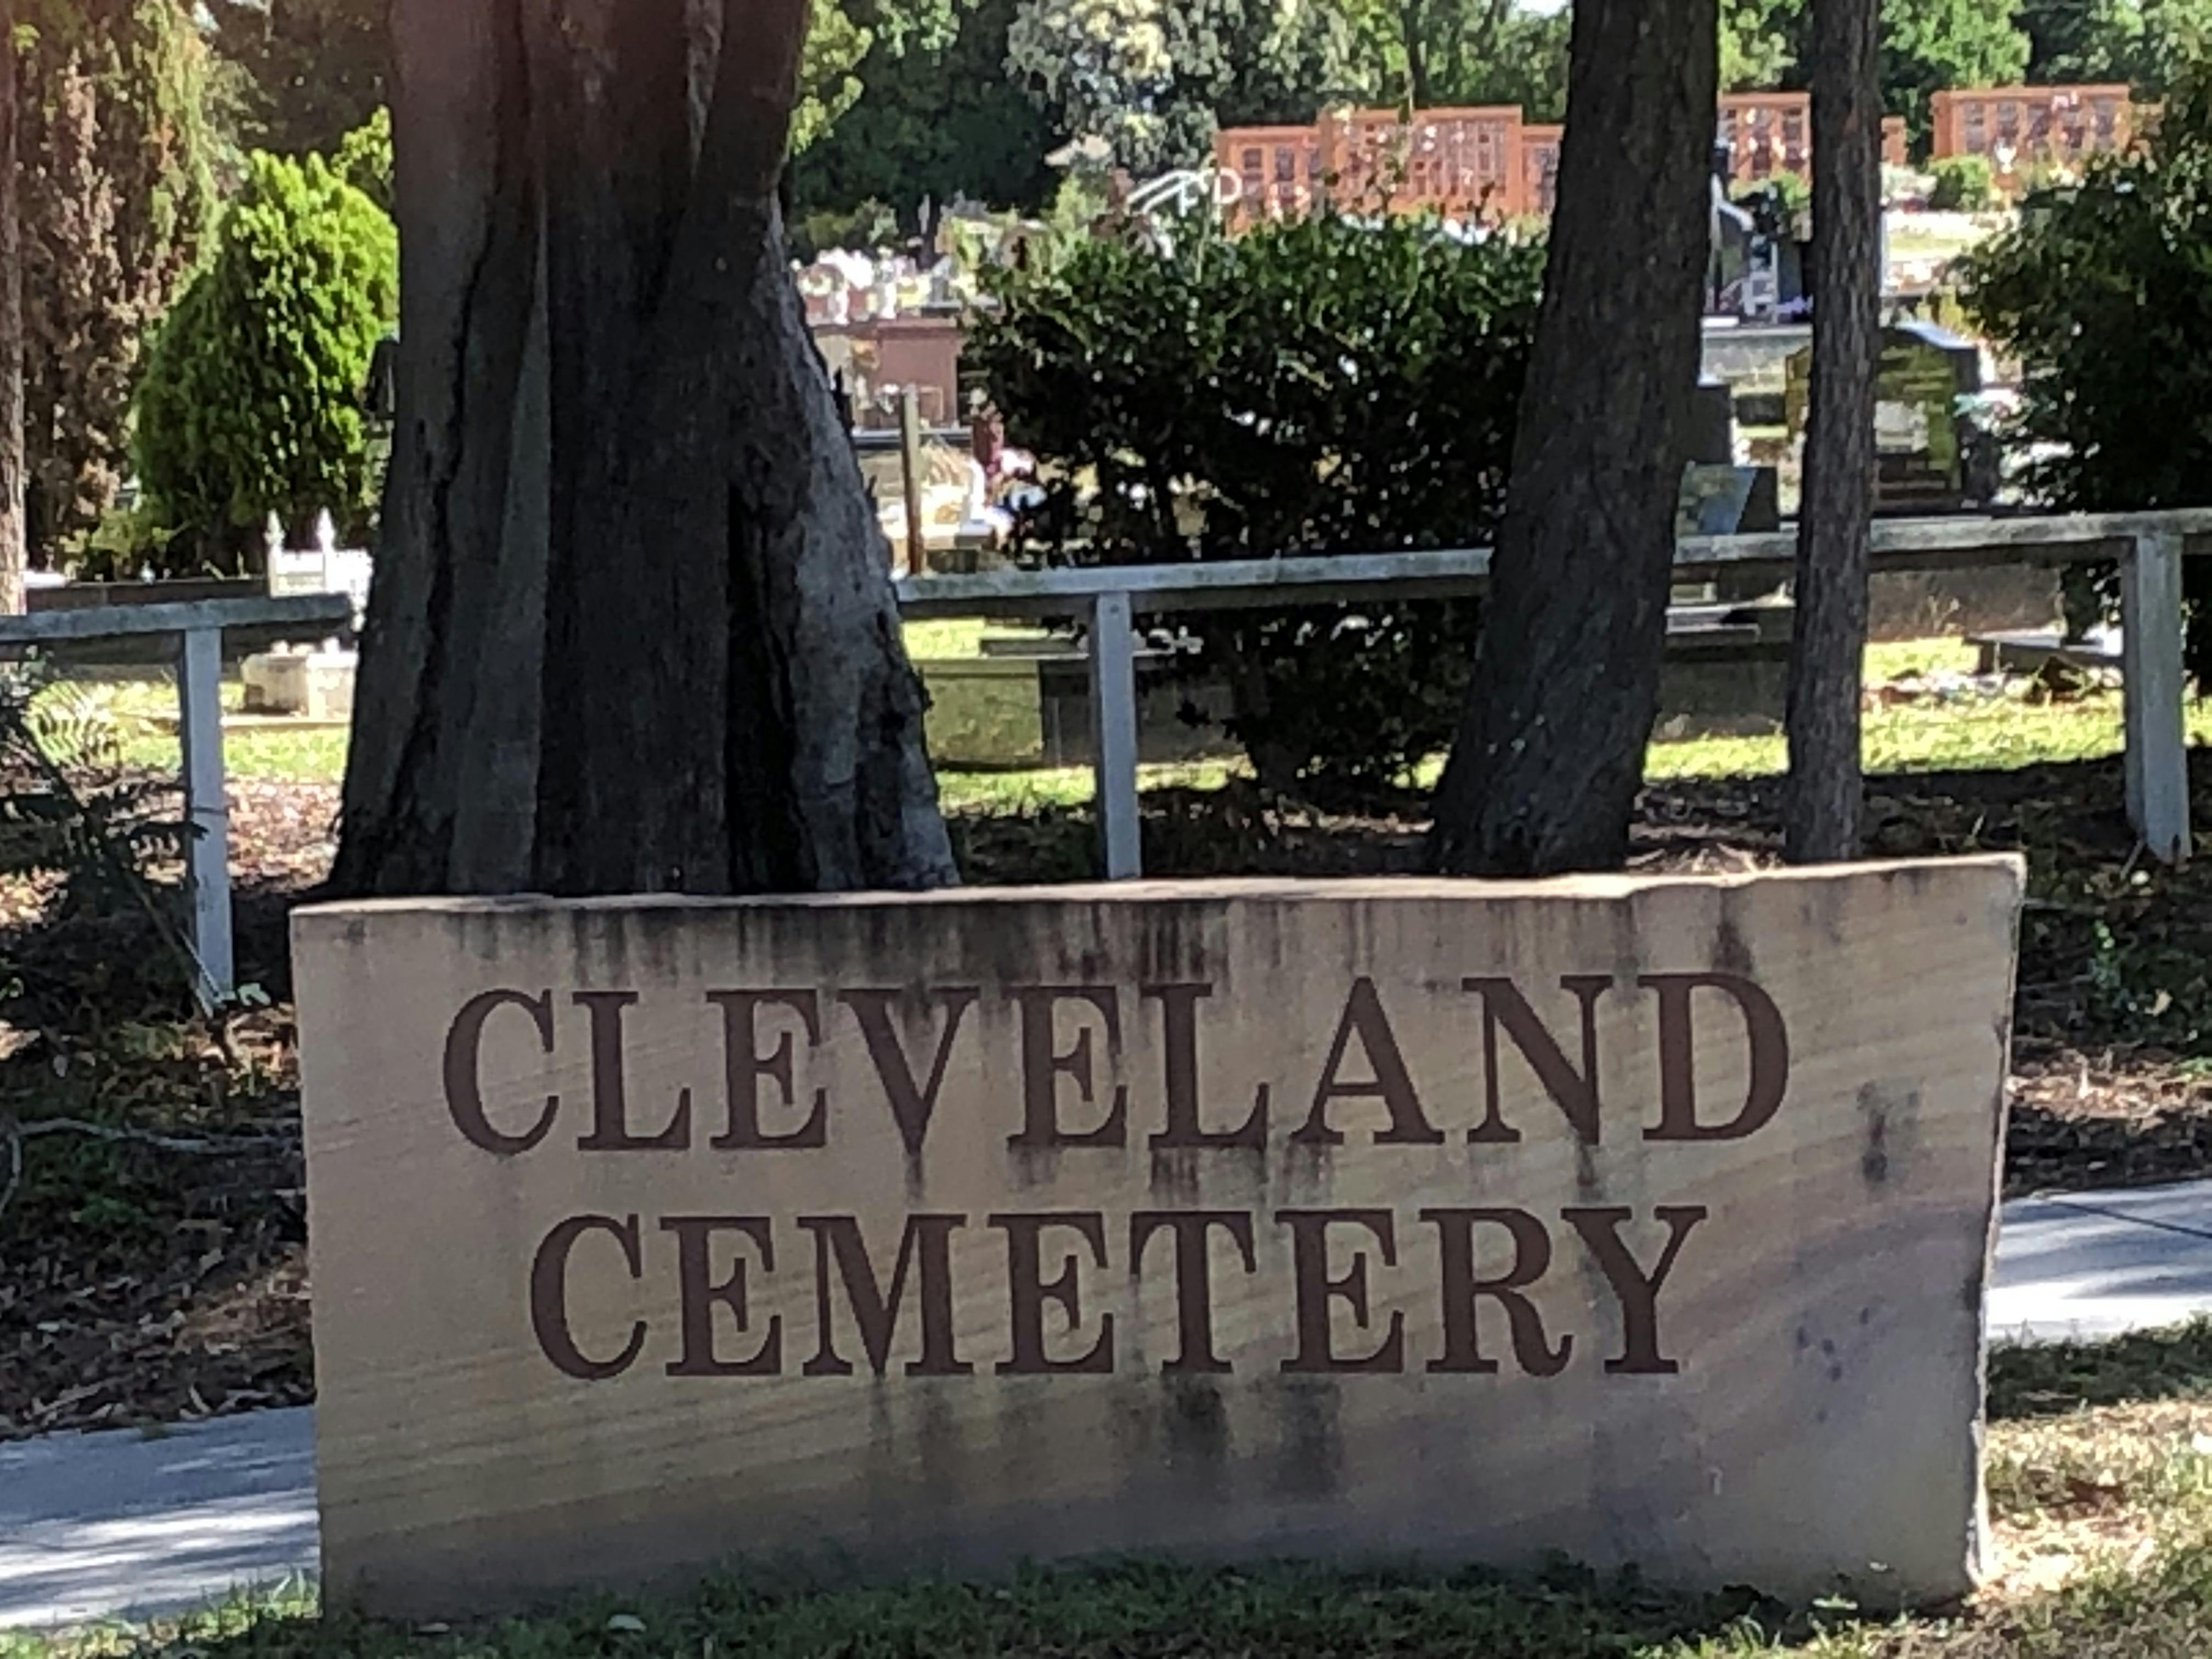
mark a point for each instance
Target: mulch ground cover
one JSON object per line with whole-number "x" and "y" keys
{"x": 152, "y": 1245}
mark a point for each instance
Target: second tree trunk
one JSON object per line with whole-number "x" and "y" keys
{"x": 1550, "y": 755}
{"x": 1825, "y": 796}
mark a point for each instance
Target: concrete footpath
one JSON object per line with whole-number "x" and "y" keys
{"x": 99, "y": 1526}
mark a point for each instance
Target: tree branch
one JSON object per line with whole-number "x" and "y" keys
{"x": 1411, "y": 27}
{"x": 123, "y": 1135}
{"x": 15, "y": 1178}
{"x": 14, "y": 1133}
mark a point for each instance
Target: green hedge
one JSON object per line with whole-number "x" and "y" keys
{"x": 2103, "y": 292}
{"x": 1316, "y": 387}
{"x": 1964, "y": 183}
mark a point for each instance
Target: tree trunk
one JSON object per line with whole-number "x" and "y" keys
{"x": 1550, "y": 755}
{"x": 633, "y": 626}
{"x": 12, "y": 504}
{"x": 1412, "y": 26}
{"x": 1825, "y": 790}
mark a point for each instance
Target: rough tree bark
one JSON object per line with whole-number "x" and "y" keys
{"x": 12, "y": 548}
{"x": 1825, "y": 790}
{"x": 1544, "y": 776}
{"x": 632, "y": 627}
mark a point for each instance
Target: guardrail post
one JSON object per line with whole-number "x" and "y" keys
{"x": 206, "y": 859}
{"x": 2157, "y": 762}
{"x": 1113, "y": 649}
{"x": 917, "y": 518}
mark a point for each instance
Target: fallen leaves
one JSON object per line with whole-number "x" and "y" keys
{"x": 2094, "y": 1487}
{"x": 2115, "y": 1118}
{"x": 153, "y": 1267}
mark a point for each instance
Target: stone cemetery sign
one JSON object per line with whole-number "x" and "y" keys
{"x": 1642, "y": 1219}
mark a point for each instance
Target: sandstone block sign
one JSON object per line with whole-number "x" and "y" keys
{"x": 1646, "y": 1220}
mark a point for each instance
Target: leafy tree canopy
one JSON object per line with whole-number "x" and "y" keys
{"x": 1759, "y": 44}
{"x": 1926, "y": 45}
{"x": 936, "y": 122}
{"x": 1929, "y": 44}
{"x": 313, "y": 70}
{"x": 1431, "y": 53}
{"x": 316, "y": 69}
{"x": 1150, "y": 80}
{"x": 2142, "y": 42}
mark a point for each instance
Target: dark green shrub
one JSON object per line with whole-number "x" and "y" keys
{"x": 1791, "y": 193}
{"x": 250, "y": 402}
{"x": 1316, "y": 387}
{"x": 2103, "y": 291}
{"x": 866, "y": 228}
{"x": 1964, "y": 183}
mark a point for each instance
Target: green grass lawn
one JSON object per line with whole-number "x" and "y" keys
{"x": 1992, "y": 735}
{"x": 951, "y": 637}
{"x": 1915, "y": 237}
{"x": 1976, "y": 737}
{"x": 1909, "y": 736}
{"x": 142, "y": 713}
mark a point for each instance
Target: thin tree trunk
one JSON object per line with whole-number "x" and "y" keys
{"x": 633, "y": 626}
{"x": 1412, "y": 24}
{"x": 1566, "y": 688}
{"x": 12, "y": 503}
{"x": 1825, "y": 790}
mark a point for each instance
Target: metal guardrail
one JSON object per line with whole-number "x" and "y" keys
{"x": 2149, "y": 547}
{"x": 311, "y": 610}
{"x": 198, "y": 625}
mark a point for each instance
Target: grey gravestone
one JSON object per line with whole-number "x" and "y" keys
{"x": 1728, "y": 500}
{"x": 1921, "y": 441}
{"x": 1761, "y": 409}
{"x": 1731, "y": 501}
{"x": 1712, "y": 424}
